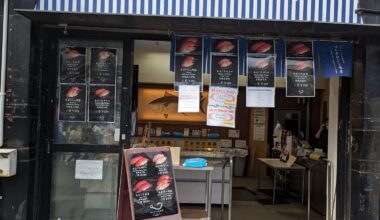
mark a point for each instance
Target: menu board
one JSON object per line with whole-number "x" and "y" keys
{"x": 151, "y": 183}
{"x": 72, "y": 65}
{"x": 103, "y": 66}
{"x": 72, "y": 102}
{"x": 101, "y": 103}
{"x": 261, "y": 71}
{"x": 300, "y": 78}
{"x": 188, "y": 66}
{"x": 224, "y": 62}
{"x": 260, "y": 90}
{"x": 224, "y": 71}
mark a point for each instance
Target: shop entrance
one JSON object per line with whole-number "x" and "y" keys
{"x": 300, "y": 117}
{"x": 83, "y": 100}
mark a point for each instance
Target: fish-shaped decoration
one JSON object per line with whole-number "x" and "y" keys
{"x": 168, "y": 104}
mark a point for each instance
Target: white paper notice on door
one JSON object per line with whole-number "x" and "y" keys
{"x": 188, "y": 100}
{"x": 89, "y": 169}
{"x": 259, "y": 132}
{"x": 260, "y": 97}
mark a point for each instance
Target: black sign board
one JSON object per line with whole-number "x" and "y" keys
{"x": 188, "y": 70}
{"x": 224, "y": 71}
{"x": 101, "y": 104}
{"x": 188, "y": 66}
{"x": 72, "y": 102}
{"x": 300, "y": 80}
{"x": 72, "y": 65}
{"x": 261, "y": 71}
{"x": 151, "y": 184}
{"x": 103, "y": 66}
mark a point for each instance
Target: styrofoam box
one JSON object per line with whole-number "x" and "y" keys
{"x": 8, "y": 162}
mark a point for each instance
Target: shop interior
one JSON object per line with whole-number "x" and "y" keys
{"x": 253, "y": 137}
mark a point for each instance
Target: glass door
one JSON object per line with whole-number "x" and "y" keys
{"x": 84, "y": 148}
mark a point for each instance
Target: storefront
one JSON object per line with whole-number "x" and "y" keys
{"x": 83, "y": 91}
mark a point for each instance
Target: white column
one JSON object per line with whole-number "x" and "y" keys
{"x": 333, "y": 143}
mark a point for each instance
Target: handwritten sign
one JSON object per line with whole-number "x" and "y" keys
{"x": 189, "y": 96}
{"x": 89, "y": 169}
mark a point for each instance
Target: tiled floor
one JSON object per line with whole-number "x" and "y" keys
{"x": 254, "y": 210}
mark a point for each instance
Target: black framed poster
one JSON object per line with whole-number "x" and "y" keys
{"x": 261, "y": 71}
{"x": 224, "y": 71}
{"x": 72, "y": 65}
{"x": 103, "y": 66}
{"x": 300, "y": 78}
{"x": 101, "y": 107}
{"x": 151, "y": 183}
{"x": 72, "y": 102}
{"x": 188, "y": 64}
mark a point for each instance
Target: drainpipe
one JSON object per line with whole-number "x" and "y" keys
{"x": 3, "y": 70}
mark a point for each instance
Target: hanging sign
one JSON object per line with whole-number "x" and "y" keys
{"x": 188, "y": 65}
{"x": 72, "y": 65}
{"x": 261, "y": 68}
{"x": 300, "y": 77}
{"x": 221, "y": 107}
{"x": 151, "y": 185}
{"x": 103, "y": 66}
{"x": 224, "y": 62}
{"x": 189, "y": 98}
{"x": 335, "y": 58}
{"x": 101, "y": 103}
{"x": 72, "y": 102}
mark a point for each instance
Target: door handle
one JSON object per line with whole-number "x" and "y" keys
{"x": 48, "y": 145}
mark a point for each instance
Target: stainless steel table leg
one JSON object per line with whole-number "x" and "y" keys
{"x": 206, "y": 190}
{"x": 274, "y": 186}
{"x": 308, "y": 194}
{"x": 303, "y": 186}
{"x": 209, "y": 180}
{"x": 230, "y": 187}
{"x": 222, "y": 196}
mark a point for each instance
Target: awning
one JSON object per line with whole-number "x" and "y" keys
{"x": 330, "y": 11}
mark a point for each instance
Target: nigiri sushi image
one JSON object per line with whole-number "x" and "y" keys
{"x": 139, "y": 161}
{"x": 104, "y": 55}
{"x": 225, "y": 46}
{"x": 261, "y": 64}
{"x": 225, "y": 62}
{"x": 72, "y": 92}
{"x": 302, "y": 65}
{"x": 102, "y": 92}
{"x": 188, "y": 61}
{"x": 189, "y": 45}
{"x": 299, "y": 49}
{"x": 163, "y": 182}
{"x": 73, "y": 54}
{"x": 260, "y": 47}
{"x": 159, "y": 159}
{"x": 142, "y": 186}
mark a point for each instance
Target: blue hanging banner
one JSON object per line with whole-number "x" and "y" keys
{"x": 335, "y": 58}
{"x": 280, "y": 57}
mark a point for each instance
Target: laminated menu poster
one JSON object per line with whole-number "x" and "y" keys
{"x": 188, "y": 70}
{"x": 151, "y": 184}
{"x": 300, "y": 81}
{"x": 224, "y": 62}
{"x": 224, "y": 71}
{"x": 188, "y": 66}
{"x": 300, "y": 77}
{"x": 103, "y": 66}
{"x": 101, "y": 104}
{"x": 261, "y": 71}
{"x": 72, "y": 102}
{"x": 72, "y": 65}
